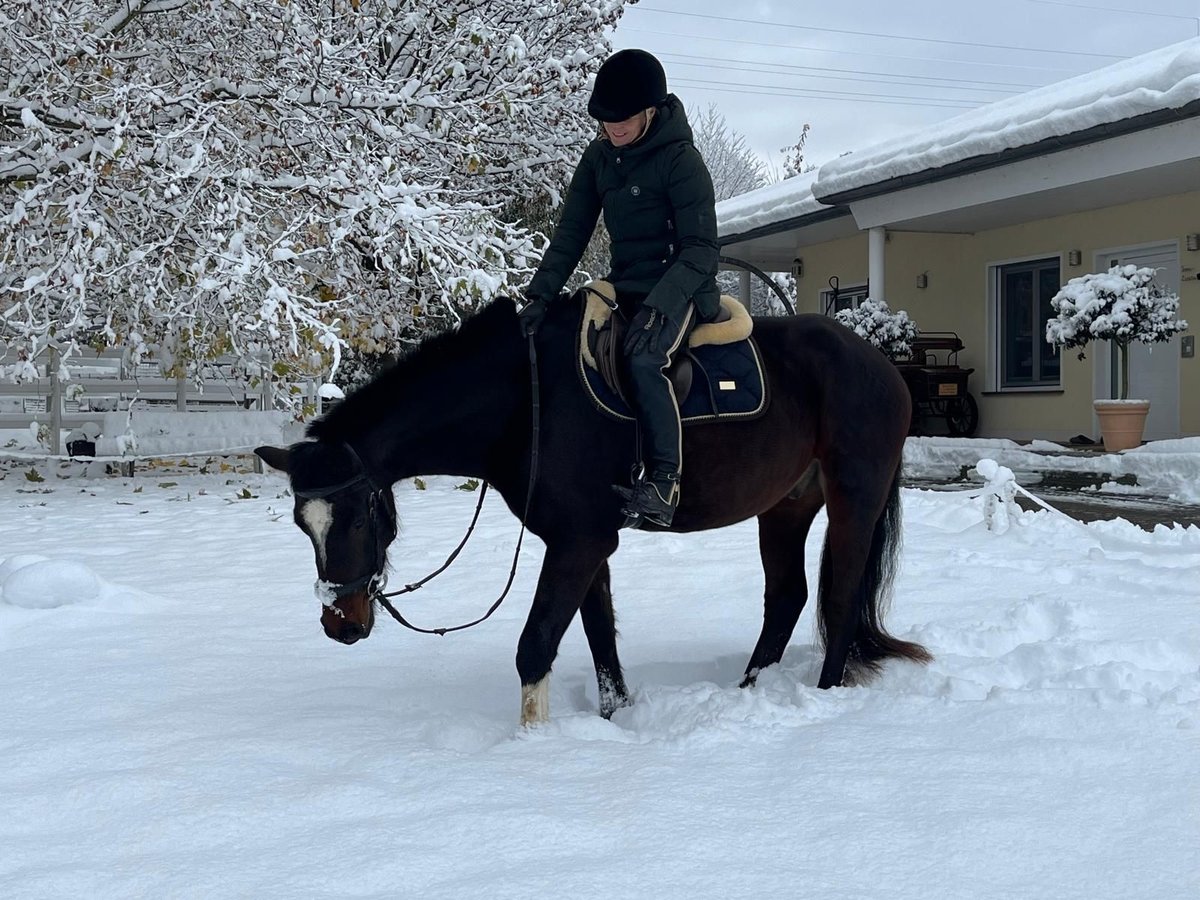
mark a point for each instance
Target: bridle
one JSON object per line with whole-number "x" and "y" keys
{"x": 376, "y": 580}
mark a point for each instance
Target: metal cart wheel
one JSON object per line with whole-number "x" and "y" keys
{"x": 962, "y": 416}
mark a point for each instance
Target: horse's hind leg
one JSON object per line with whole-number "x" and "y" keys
{"x": 857, "y": 565}
{"x": 600, "y": 626}
{"x": 782, "y": 531}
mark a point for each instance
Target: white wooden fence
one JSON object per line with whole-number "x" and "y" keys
{"x": 101, "y": 384}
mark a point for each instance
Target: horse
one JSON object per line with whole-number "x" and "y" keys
{"x": 459, "y": 404}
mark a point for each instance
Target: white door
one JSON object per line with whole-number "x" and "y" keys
{"x": 1153, "y": 368}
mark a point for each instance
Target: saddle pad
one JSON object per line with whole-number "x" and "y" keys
{"x": 727, "y": 383}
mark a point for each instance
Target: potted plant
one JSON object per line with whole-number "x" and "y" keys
{"x": 891, "y": 332}
{"x": 1121, "y": 305}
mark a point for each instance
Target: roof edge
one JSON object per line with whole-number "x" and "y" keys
{"x": 812, "y": 218}
{"x": 1043, "y": 147}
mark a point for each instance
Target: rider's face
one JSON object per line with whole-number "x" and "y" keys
{"x": 623, "y": 133}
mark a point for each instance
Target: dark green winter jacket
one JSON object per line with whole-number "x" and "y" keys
{"x": 657, "y": 199}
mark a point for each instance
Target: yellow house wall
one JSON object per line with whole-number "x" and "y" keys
{"x": 956, "y": 299}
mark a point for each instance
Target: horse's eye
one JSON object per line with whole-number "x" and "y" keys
{"x": 359, "y": 524}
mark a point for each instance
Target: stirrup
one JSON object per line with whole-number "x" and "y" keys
{"x": 645, "y": 503}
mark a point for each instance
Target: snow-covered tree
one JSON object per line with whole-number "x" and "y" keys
{"x": 734, "y": 167}
{"x": 793, "y": 161}
{"x": 277, "y": 176}
{"x": 891, "y": 332}
{"x": 1121, "y": 305}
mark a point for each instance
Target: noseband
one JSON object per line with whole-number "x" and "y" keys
{"x": 375, "y": 580}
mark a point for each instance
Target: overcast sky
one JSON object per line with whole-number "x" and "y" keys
{"x": 860, "y": 71}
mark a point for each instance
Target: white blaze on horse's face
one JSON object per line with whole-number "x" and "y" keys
{"x": 318, "y": 518}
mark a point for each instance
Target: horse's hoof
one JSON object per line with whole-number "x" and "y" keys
{"x": 607, "y": 709}
{"x": 535, "y": 702}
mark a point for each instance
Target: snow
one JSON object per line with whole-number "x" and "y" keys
{"x": 1123, "y": 305}
{"x": 891, "y": 332}
{"x": 179, "y": 726}
{"x": 150, "y": 431}
{"x": 787, "y": 199}
{"x": 1167, "y": 78}
{"x": 1170, "y": 469}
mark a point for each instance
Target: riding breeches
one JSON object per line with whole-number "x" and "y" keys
{"x": 654, "y": 401}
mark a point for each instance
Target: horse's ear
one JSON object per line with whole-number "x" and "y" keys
{"x": 275, "y": 457}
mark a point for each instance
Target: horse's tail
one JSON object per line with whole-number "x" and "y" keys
{"x": 871, "y": 644}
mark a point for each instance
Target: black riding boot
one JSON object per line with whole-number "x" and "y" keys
{"x": 651, "y": 500}
{"x": 656, "y": 493}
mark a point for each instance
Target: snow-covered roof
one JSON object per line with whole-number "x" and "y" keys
{"x": 1163, "y": 79}
{"x": 783, "y": 201}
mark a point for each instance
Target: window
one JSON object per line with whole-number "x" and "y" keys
{"x": 1024, "y": 290}
{"x": 843, "y": 298}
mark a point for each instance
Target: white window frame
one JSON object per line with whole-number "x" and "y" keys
{"x": 858, "y": 293}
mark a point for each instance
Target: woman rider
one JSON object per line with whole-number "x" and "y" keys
{"x": 645, "y": 174}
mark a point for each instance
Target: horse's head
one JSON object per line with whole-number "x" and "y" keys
{"x": 351, "y": 521}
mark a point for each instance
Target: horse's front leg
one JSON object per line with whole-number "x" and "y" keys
{"x": 567, "y": 573}
{"x": 600, "y": 626}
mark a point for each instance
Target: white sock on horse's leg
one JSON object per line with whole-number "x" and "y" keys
{"x": 535, "y": 702}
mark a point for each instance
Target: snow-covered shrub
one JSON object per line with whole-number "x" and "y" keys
{"x": 1121, "y": 305}
{"x": 891, "y": 332}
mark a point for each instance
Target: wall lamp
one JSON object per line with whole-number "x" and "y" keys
{"x": 797, "y": 268}
{"x": 1192, "y": 241}
{"x": 1074, "y": 257}
{"x": 923, "y": 280}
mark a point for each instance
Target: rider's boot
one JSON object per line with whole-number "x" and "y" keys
{"x": 652, "y": 500}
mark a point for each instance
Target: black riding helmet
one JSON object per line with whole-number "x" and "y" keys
{"x": 628, "y": 82}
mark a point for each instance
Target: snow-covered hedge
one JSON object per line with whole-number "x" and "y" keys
{"x": 1121, "y": 305}
{"x": 891, "y": 332}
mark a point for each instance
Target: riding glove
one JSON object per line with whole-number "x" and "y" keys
{"x": 650, "y": 330}
{"x": 530, "y": 315}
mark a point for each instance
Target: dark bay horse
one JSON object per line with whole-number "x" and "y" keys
{"x": 460, "y": 404}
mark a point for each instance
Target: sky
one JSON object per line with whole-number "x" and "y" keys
{"x": 862, "y": 71}
{"x": 176, "y": 724}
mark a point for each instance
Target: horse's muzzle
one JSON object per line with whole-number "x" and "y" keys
{"x": 348, "y": 633}
{"x": 350, "y": 619}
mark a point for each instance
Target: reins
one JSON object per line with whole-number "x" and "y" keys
{"x": 512, "y": 572}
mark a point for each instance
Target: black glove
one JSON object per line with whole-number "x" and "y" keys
{"x": 530, "y": 314}
{"x": 650, "y": 330}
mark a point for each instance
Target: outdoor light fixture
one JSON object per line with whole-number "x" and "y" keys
{"x": 1074, "y": 257}
{"x": 923, "y": 280}
{"x": 1192, "y": 241}
{"x": 797, "y": 268}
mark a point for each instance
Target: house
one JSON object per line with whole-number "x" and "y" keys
{"x": 973, "y": 224}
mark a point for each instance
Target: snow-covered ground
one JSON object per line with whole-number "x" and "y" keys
{"x": 175, "y": 724}
{"x": 1168, "y": 469}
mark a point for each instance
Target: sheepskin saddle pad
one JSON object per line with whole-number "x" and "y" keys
{"x": 719, "y": 375}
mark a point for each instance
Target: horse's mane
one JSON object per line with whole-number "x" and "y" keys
{"x": 362, "y": 407}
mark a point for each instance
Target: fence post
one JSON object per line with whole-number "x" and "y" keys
{"x": 181, "y": 393}
{"x": 54, "y": 404}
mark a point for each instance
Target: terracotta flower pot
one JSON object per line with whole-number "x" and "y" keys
{"x": 1121, "y": 422}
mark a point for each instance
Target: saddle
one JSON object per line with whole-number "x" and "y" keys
{"x": 730, "y": 380}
